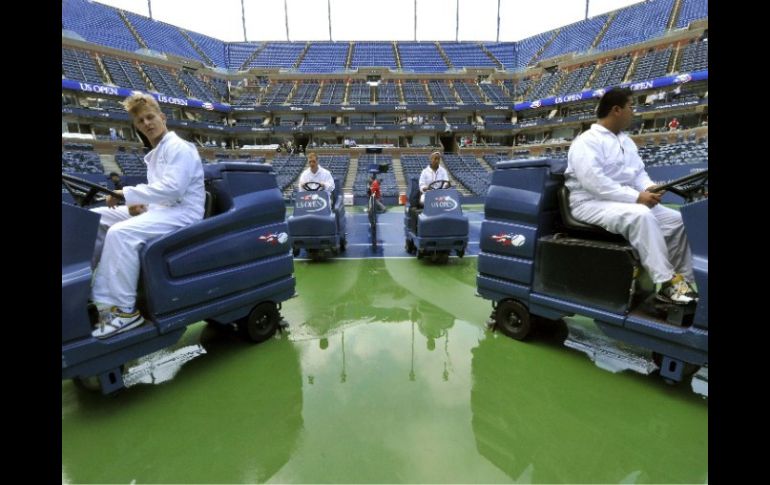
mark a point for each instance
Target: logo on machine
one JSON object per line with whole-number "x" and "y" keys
{"x": 536, "y": 104}
{"x": 274, "y": 238}
{"x": 509, "y": 239}
{"x": 444, "y": 202}
{"x": 311, "y": 202}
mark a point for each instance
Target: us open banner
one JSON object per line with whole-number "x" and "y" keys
{"x": 597, "y": 93}
{"x": 123, "y": 92}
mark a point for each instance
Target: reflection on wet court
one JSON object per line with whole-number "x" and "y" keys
{"x": 387, "y": 372}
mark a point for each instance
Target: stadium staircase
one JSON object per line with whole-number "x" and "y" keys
{"x": 491, "y": 56}
{"x": 395, "y": 53}
{"x": 301, "y": 56}
{"x": 350, "y": 55}
{"x": 444, "y": 56}
{"x": 398, "y": 171}
{"x": 545, "y": 46}
{"x": 674, "y": 15}
{"x": 132, "y": 29}
{"x": 253, "y": 56}
{"x": 102, "y": 70}
{"x": 601, "y": 33}
{"x": 347, "y": 186}
{"x": 195, "y": 46}
{"x": 109, "y": 163}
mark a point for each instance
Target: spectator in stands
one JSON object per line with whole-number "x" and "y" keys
{"x": 374, "y": 189}
{"x": 115, "y": 179}
{"x": 316, "y": 173}
{"x": 609, "y": 187}
{"x": 431, "y": 173}
{"x": 673, "y": 125}
{"x": 173, "y": 197}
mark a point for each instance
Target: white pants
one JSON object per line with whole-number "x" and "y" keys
{"x": 118, "y": 242}
{"x": 657, "y": 234}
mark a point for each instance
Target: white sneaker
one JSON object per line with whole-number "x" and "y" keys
{"x": 116, "y": 322}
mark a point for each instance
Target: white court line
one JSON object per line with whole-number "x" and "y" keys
{"x": 389, "y": 244}
{"x": 383, "y": 257}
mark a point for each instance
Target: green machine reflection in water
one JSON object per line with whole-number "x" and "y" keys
{"x": 240, "y": 411}
{"x": 587, "y": 427}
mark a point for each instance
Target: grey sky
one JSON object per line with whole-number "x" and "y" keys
{"x": 370, "y": 19}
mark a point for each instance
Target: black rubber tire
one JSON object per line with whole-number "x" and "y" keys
{"x": 261, "y": 323}
{"x": 295, "y": 252}
{"x": 513, "y": 319}
{"x": 343, "y": 244}
{"x": 90, "y": 384}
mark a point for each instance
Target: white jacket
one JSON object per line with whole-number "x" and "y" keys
{"x": 428, "y": 176}
{"x": 604, "y": 166}
{"x": 174, "y": 178}
{"x": 322, "y": 176}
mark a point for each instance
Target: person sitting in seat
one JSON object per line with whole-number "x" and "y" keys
{"x": 610, "y": 188}
{"x": 430, "y": 174}
{"x": 173, "y": 197}
{"x": 316, "y": 173}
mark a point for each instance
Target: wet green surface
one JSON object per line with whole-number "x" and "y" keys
{"x": 387, "y": 374}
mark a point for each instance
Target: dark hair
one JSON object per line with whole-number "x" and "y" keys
{"x": 613, "y": 97}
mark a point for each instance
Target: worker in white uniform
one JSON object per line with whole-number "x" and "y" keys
{"x": 316, "y": 173}
{"x": 610, "y": 188}
{"x": 173, "y": 197}
{"x": 431, "y": 173}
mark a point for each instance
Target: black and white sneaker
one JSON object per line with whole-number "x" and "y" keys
{"x": 117, "y": 322}
{"x": 677, "y": 291}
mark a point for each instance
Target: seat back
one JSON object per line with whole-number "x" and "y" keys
{"x": 572, "y": 224}
{"x": 413, "y": 191}
{"x": 208, "y": 205}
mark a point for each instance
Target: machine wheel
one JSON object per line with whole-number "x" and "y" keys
{"x": 460, "y": 253}
{"x": 261, "y": 323}
{"x": 512, "y": 318}
{"x": 90, "y": 384}
{"x": 295, "y": 252}
{"x": 343, "y": 244}
{"x": 410, "y": 247}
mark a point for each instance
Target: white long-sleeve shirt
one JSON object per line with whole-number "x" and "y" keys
{"x": 174, "y": 178}
{"x": 428, "y": 176}
{"x": 604, "y": 166}
{"x": 322, "y": 176}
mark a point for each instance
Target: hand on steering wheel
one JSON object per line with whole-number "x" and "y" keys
{"x": 313, "y": 186}
{"x": 84, "y": 191}
{"x": 439, "y": 184}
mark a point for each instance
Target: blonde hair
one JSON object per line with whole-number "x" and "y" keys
{"x": 136, "y": 101}
{"x": 435, "y": 152}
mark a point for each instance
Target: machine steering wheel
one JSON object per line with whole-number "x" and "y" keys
{"x": 439, "y": 184}
{"x": 312, "y": 186}
{"x": 84, "y": 191}
{"x": 690, "y": 187}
